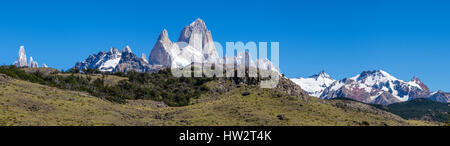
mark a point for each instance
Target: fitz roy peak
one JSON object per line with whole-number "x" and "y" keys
{"x": 376, "y": 87}
{"x": 200, "y": 38}
{"x": 195, "y": 44}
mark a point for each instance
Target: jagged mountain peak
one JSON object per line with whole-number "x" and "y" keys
{"x": 416, "y": 79}
{"x": 417, "y": 82}
{"x": 33, "y": 63}
{"x": 199, "y": 24}
{"x": 114, "y": 50}
{"x": 322, "y": 74}
{"x": 164, "y": 36}
{"x": 161, "y": 54}
{"x": 115, "y": 61}
{"x": 373, "y": 86}
{"x": 144, "y": 58}
{"x": 22, "y": 58}
{"x": 127, "y": 49}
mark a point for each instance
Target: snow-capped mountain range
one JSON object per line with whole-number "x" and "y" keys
{"x": 195, "y": 45}
{"x": 377, "y": 87}
{"x": 105, "y": 61}
{"x": 115, "y": 60}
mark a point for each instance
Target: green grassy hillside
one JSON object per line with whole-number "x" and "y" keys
{"x": 26, "y": 103}
{"x": 420, "y": 109}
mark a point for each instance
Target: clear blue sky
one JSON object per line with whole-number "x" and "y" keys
{"x": 405, "y": 38}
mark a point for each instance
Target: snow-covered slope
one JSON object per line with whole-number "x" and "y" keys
{"x": 245, "y": 59}
{"x": 314, "y": 85}
{"x": 377, "y": 87}
{"x": 440, "y": 96}
{"x": 400, "y": 89}
{"x": 349, "y": 88}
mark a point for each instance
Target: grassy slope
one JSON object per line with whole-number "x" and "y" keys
{"x": 420, "y": 109}
{"x": 25, "y": 103}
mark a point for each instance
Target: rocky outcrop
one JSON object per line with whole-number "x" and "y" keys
{"x": 284, "y": 85}
{"x": 22, "y": 58}
{"x": 440, "y": 96}
{"x": 104, "y": 61}
{"x": 160, "y": 53}
{"x": 4, "y": 79}
{"x": 287, "y": 86}
{"x": 130, "y": 62}
{"x": 422, "y": 90}
{"x": 33, "y": 64}
{"x": 143, "y": 57}
{"x": 199, "y": 37}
